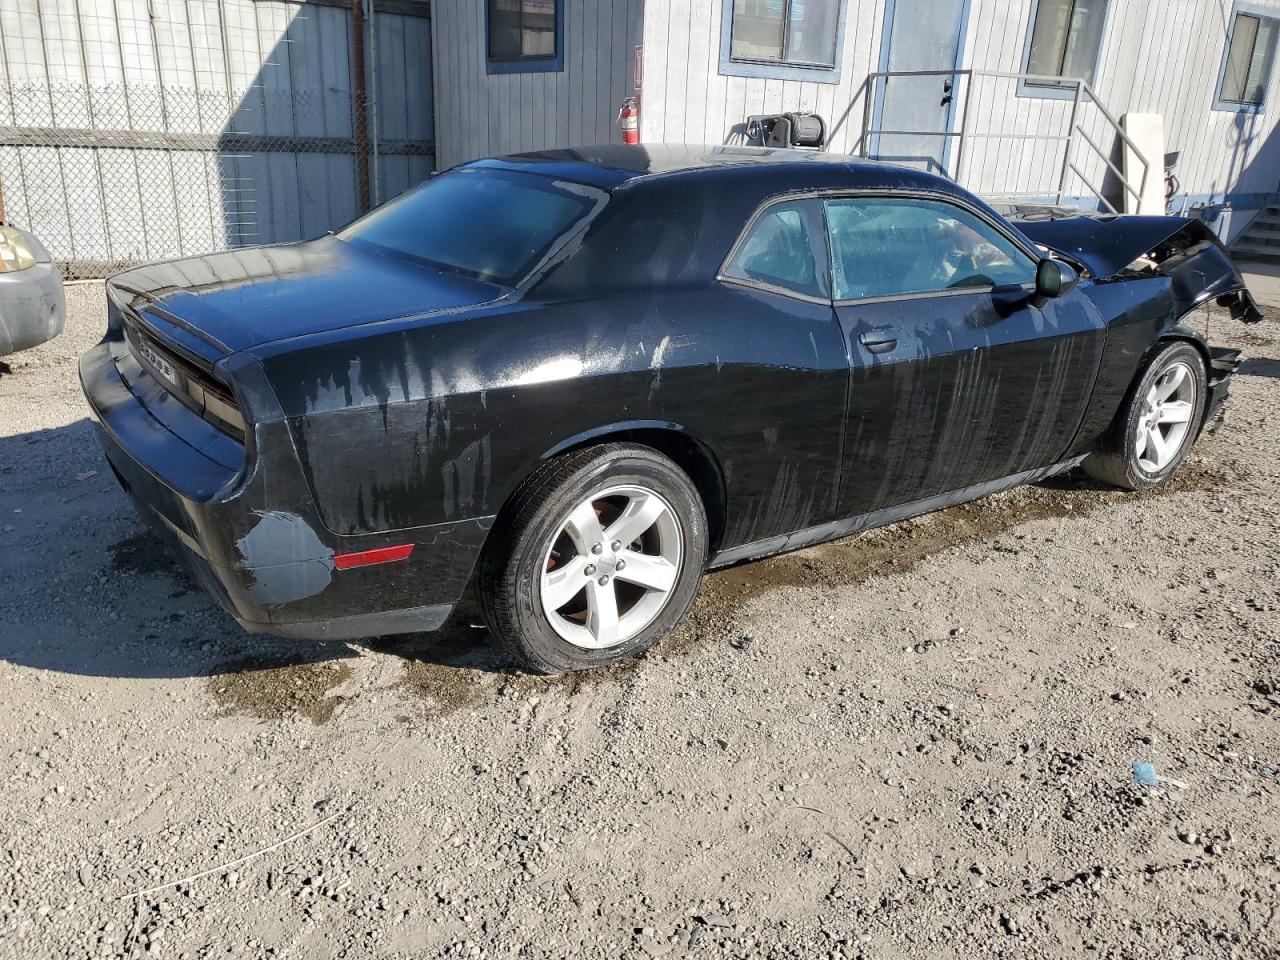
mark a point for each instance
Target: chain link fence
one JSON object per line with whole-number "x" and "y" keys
{"x": 109, "y": 176}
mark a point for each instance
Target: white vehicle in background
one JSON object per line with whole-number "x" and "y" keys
{"x": 32, "y": 308}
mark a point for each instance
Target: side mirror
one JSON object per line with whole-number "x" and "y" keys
{"x": 1054, "y": 278}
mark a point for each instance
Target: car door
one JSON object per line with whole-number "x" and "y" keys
{"x": 779, "y": 410}
{"x": 959, "y": 374}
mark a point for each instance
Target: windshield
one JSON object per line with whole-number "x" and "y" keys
{"x": 492, "y": 225}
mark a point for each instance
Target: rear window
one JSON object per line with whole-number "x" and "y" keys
{"x": 491, "y": 225}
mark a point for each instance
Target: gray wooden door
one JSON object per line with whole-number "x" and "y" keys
{"x": 919, "y": 35}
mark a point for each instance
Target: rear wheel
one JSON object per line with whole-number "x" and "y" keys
{"x": 1159, "y": 422}
{"x": 598, "y": 557}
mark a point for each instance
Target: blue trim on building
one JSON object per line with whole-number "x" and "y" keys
{"x": 882, "y": 64}
{"x": 962, "y": 38}
{"x": 1230, "y": 106}
{"x": 768, "y": 70}
{"x": 526, "y": 64}
{"x": 1036, "y": 91}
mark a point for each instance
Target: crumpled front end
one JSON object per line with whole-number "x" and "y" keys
{"x": 1201, "y": 270}
{"x": 1115, "y": 249}
{"x": 1223, "y": 362}
{"x": 1147, "y": 275}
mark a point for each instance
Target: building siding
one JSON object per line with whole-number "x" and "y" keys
{"x": 481, "y": 114}
{"x": 687, "y": 100}
{"x": 1157, "y": 56}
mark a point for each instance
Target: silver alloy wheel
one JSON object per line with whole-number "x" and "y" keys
{"x": 1165, "y": 421}
{"x": 611, "y": 567}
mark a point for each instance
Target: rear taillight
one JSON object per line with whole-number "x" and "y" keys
{"x": 216, "y": 405}
{"x": 198, "y": 390}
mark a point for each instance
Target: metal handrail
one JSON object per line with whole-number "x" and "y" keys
{"x": 1083, "y": 93}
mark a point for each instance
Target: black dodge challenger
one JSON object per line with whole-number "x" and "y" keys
{"x": 581, "y": 378}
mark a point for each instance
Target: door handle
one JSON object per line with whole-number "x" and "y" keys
{"x": 879, "y": 341}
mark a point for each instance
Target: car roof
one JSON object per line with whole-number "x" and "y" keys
{"x": 613, "y": 165}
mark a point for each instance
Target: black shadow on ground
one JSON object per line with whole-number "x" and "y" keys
{"x": 1260, "y": 367}
{"x": 91, "y": 572}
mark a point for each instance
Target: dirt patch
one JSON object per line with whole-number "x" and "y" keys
{"x": 440, "y": 689}
{"x": 571, "y": 684}
{"x": 1247, "y": 338}
{"x": 901, "y": 547}
{"x": 461, "y": 666}
{"x": 144, "y": 553}
{"x": 272, "y": 688}
{"x": 936, "y": 762}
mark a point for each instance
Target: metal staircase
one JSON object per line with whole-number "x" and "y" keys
{"x": 1261, "y": 240}
{"x": 1067, "y": 146}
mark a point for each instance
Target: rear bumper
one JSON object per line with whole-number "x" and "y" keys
{"x": 32, "y": 307}
{"x": 249, "y": 533}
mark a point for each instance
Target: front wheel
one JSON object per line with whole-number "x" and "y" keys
{"x": 597, "y": 558}
{"x": 1158, "y": 423}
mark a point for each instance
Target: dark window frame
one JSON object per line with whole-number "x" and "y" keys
{"x": 820, "y": 247}
{"x": 1258, "y": 13}
{"x": 1066, "y": 89}
{"x": 525, "y": 64}
{"x": 822, "y": 195}
{"x": 770, "y": 69}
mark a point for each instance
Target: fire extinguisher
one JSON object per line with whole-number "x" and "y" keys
{"x": 629, "y": 117}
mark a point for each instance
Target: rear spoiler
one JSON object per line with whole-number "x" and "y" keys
{"x": 1182, "y": 249}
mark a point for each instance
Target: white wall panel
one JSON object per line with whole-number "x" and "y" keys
{"x": 481, "y": 114}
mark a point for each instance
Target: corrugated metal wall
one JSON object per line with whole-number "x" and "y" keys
{"x": 134, "y": 130}
{"x": 1158, "y": 56}
{"x": 483, "y": 114}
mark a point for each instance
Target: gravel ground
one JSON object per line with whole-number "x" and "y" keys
{"x": 916, "y": 743}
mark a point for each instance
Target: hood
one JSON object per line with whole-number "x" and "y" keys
{"x": 1105, "y": 245}
{"x": 243, "y": 298}
{"x": 1184, "y": 250}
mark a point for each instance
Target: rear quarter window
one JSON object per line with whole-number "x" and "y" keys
{"x": 784, "y": 248}
{"x": 490, "y": 225}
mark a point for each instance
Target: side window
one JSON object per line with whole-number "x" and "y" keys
{"x": 884, "y": 247}
{"x": 1066, "y": 36}
{"x": 784, "y": 247}
{"x": 801, "y": 32}
{"x": 524, "y": 36}
{"x": 1251, "y": 51}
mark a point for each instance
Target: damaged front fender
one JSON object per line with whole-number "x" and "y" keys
{"x": 1203, "y": 271}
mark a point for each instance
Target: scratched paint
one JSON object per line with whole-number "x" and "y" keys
{"x": 285, "y": 557}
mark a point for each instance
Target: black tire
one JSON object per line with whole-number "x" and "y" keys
{"x": 511, "y": 567}
{"x": 1115, "y": 460}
